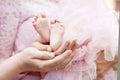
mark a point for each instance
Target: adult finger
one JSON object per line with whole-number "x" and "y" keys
{"x": 58, "y": 59}
{"x": 62, "y": 48}
{"x": 75, "y": 46}
{"x": 41, "y": 47}
{"x": 71, "y": 45}
{"x": 43, "y": 55}
{"x": 64, "y": 63}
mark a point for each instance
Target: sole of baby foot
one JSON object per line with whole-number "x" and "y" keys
{"x": 56, "y": 35}
{"x": 41, "y": 25}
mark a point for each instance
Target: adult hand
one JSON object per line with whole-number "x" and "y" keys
{"x": 69, "y": 45}
{"x": 22, "y": 62}
{"x": 32, "y": 59}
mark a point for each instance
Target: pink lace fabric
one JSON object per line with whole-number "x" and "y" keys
{"x": 91, "y": 22}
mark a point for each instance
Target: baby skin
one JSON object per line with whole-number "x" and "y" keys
{"x": 50, "y": 33}
{"x": 41, "y": 25}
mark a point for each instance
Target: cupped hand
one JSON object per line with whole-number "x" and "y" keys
{"x": 63, "y": 56}
{"x": 32, "y": 59}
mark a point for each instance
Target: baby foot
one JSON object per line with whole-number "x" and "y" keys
{"x": 56, "y": 36}
{"x": 41, "y": 25}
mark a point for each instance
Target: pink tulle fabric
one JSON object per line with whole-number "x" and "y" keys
{"x": 91, "y": 22}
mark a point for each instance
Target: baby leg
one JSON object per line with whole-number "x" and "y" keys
{"x": 41, "y": 25}
{"x": 56, "y": 36}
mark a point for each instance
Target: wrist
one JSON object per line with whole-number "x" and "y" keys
{"x": 18, "y": 63}
{"x": 9, "y": 68}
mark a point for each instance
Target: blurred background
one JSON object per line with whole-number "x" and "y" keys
{"x": 115, "y": 6}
